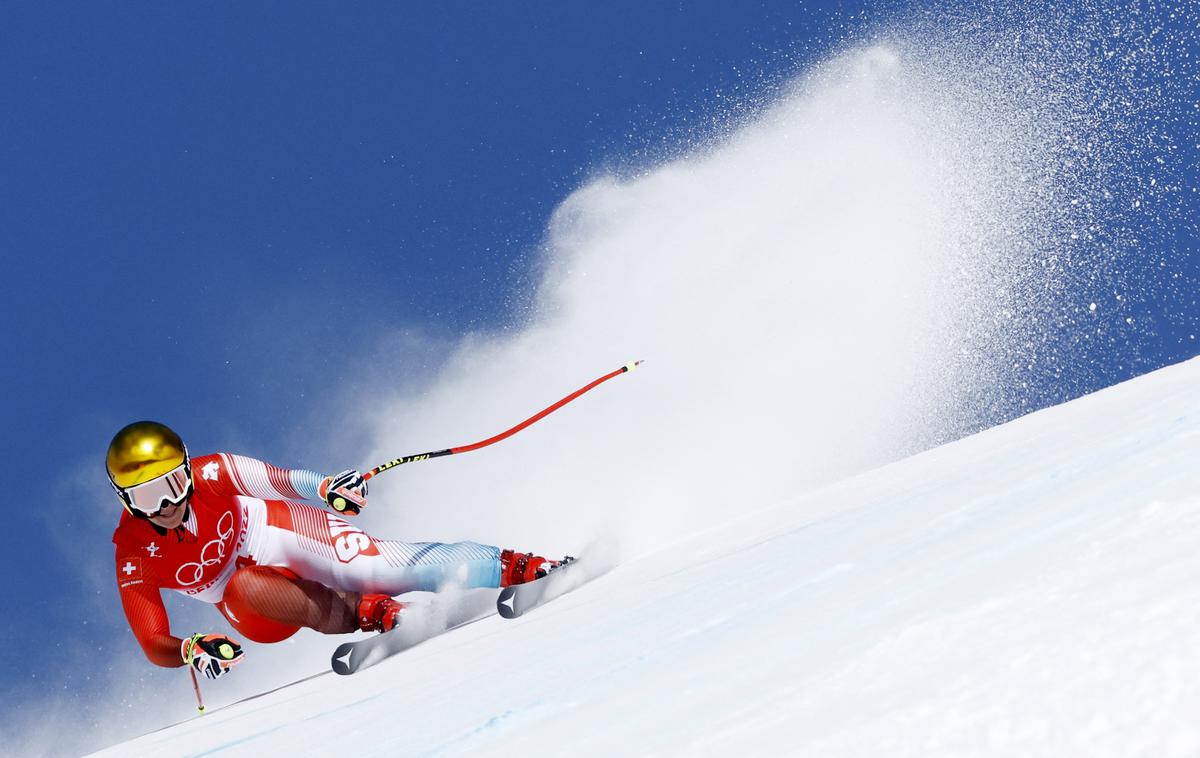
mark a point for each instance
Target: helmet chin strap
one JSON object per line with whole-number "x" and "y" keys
{"x": 178, "y": 528}
{"x": 162, "y": 530}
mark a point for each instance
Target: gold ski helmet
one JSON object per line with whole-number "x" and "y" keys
{"x": 148, "y": 466}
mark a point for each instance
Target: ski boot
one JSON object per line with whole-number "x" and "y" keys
{"x": 379, "y": 613}
{"x": 519, "y": 568}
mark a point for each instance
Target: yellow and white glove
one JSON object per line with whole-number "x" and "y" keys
{"x": 346, "y": 492}
{"x": 211, "y": 654}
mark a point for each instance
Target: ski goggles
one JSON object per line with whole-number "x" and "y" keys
{"x": 172, "y": 488}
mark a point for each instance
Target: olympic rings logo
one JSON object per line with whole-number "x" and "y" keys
{"x": 224, "y": 532}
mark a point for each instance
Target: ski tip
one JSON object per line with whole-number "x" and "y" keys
{"x": 342, "y": 659}
{"x": 506, "y": 603}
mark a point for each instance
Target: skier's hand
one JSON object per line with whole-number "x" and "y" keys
{"x": 211, "y": 654}
{"x": 346, "y": 492}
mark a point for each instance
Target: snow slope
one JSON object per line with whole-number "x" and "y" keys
{"x": 1031, "y": 590}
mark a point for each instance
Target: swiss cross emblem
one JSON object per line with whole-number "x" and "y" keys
{"x": 210, "y": 471}
{"x": 131, "y": 568}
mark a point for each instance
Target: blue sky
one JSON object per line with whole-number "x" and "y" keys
{"x": 213, "y": 212}
{"x": 222, "y": 190}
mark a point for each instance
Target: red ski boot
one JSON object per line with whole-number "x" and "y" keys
{"x": 379, "y": 613}
{"x": 519, "y": 568}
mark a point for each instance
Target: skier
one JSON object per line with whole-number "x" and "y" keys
{"x": 225, "y": 529}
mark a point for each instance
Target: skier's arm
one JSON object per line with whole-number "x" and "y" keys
{"x": 147, "y": 618}
{"x": 345, "y": 492}
{"x": 210, "y": 654}
{"x": 241, "y": 475}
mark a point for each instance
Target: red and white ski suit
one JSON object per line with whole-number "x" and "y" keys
{"x": 243, "y": 514}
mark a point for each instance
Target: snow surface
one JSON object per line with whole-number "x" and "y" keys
{"x": 1031, "y": 590}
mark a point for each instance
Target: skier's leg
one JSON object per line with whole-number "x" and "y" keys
{"x": 426, "y": 566}
{"x": 270, "y": 604}
{"x": 323, "y": 547}
{"x": 430, "y": 566}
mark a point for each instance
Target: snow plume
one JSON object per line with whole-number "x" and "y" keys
{"x": 786, "y": 290}
{"x": 871, "y": 265}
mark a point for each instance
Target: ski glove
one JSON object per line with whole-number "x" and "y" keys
{"x": 211, "y": 654}
{"x": 346, "y": 492}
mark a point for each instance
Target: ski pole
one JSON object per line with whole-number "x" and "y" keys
{"x": 196, "y": 687}
{"x": 505, "y": 434}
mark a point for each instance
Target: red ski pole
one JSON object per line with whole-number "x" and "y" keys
{"x": 196, "y": 687}
{"x": 505, "y": 434}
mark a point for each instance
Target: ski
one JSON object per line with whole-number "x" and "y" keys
{"x": 521, "y": 598}
{"x": 421, "y": 621}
